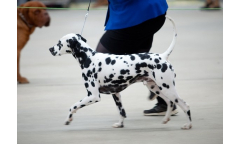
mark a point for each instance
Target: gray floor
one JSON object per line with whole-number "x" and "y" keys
{"x": 56, "y": 84}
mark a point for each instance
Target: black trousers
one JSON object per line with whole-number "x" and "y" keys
{"x": 134, "y": 39}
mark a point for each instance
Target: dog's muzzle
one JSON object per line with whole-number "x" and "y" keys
{"x": 52, "y": 51}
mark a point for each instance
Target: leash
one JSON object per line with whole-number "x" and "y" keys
{"x": 86, "y": 17}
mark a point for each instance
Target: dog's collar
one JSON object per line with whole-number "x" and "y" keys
{"x": 24, "y": 19}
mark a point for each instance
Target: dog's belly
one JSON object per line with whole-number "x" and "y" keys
{"x": 108, "y": 89}
{"x": 116, "y": 88}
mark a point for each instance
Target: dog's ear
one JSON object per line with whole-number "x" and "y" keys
{"x": 73, "y": 43}
{"x": 24, "y": 11}
{"x": 82, "y": 38}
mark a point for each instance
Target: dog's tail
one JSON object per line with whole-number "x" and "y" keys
{"x": 170, "y": 49}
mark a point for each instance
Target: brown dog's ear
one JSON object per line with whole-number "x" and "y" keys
{"x": 24, "y": 11}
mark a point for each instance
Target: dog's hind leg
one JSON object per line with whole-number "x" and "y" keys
{"x": 172, "y": 95}
{"x": 118, "y": 101}
{"x": 152, "y": 86}
{"x": 90, "y": 99}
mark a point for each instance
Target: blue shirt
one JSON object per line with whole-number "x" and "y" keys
{"x": 126, "y": 13}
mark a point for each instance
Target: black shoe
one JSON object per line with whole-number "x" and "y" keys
{"x": 152, "y": 96}
{"x": 159, "y": 110}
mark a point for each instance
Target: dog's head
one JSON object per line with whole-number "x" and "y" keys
{"x": 70, "y": 43}
{"x": 36, "y": 17}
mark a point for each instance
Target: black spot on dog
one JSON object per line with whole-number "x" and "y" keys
{"x": 132, "y": 57}
{"x": 59, "y": 45}
{"x": 144, "y": 56}
{"x": 89, "y": 73}
{"x": 89, "y": 93}
{"x": 165, "y": 85}
{"x": 96, "y": 76}
{"x": 129, "y": 77}
{"x": 70, "y": 115}
{"x": 153, "y": 73}
{"x": 119, "y": 81}
{"x": 86, "y": 85}
{"x": 75, "y": 107}
{"x": 174, "y": 83}
{"x": 164, "y": 67}
{"x": 159, "y": 66}
{"x": 150, "y": 66}
{"x": 139, "y": 66}
{"x": 160, "y": 88}
{"x": 171, "y": 103}
{"x": 156, "y": 61}
{"x": 189, "y": 114}
{"x": 133, "y": 80}
{"x": 145, "y": 73}
{"x": 176, "y": 100}
{"x": 152, "y": 87}
{"x": 113, "y": 62}
{"x": 108, "y": 60}
{"x": 87, "y": 63}
{"x": 123, "y": 113}
{"x": 68, "y": 51}
{"x": 82, "y": 106}
{"x": 107, "y": 79}
{"x": 111, "y": 75}
{"x": 93, "y": 84}
{"x": 100, "y": 63}
{"x": 157, "y": 92}
{"x": 120, "y": 77}
{"x": 85, "y": 77}
{"x": 100, "y": 69}
{"x": 124, "y": 71}
{"x": 171, "y": 68}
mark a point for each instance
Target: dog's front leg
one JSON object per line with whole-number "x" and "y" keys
{"x": 118, "y": 101}
{"x": 90, "y": 99}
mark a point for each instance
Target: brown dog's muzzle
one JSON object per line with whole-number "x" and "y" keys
{"x": 48, "y": 22}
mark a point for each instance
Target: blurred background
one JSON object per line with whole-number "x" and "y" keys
{"x": 97, "y": 3}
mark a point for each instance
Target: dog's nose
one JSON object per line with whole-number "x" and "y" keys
{"x": 52, "y": 51}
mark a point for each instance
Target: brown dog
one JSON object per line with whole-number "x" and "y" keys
{"x": 27, "y": 20}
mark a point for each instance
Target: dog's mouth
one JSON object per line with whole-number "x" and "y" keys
{"x": 52, "y": 51}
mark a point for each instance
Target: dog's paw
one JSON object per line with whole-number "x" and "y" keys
{"x": 165, "y": 120}
{"x": 117, "y": 125}
{"x": 187, "y": 126}
{"x": 22, "y": 80}
{"x": 67, "y": 123}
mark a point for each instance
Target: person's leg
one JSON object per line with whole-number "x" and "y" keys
{"x": 101, "y": 48}
{"x": 211, "y": 4}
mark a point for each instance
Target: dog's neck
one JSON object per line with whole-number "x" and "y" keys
{"x": 84, "y": 56}
{"x": 25, "y": 20}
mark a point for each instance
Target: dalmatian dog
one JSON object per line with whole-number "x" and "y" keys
{"x": 110, "y": 74}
